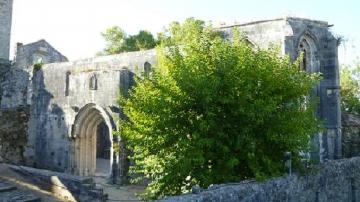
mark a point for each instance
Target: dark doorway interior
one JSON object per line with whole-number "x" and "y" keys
{"x": 103, "y": 145}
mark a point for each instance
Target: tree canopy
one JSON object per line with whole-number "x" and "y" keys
{"x": 215, "y": 110}
{"x": 350, "y": 89}
{"x": 117, "y": 41}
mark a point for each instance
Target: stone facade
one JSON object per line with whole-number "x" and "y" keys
{"x": 66, "y": 113}
{"x": 333, "y": 181}
{"x": 68, "y": 101}
{"x": 5, "y": 27}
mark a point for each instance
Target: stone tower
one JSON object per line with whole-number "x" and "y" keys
{"x": 5, "y": 28}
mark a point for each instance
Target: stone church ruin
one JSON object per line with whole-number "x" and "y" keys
{"x": 69, "y": 108}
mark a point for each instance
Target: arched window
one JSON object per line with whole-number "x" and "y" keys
{"x": 67, "y": 83}
{"x": 93, "y": 82}
{"x": 147, "y": 69}
{"x": 308, "y": 50}
{"x": 302, "y": 53}
{"x": 309, "y": 62}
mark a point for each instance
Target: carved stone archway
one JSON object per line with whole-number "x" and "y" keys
{"x": 84, "y": 135}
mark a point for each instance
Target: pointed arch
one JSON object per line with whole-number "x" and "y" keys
{"x": 308, "y": 46}
{"x": 147, "y": 69}
{"x": 93, "y": 83}
{"x": 84, "y": 134}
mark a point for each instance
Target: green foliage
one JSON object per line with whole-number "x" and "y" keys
{"x": 117, "y": 41}
{"x": 350, "y": 89}
{"x": 215, "y": 111}
{"x": 37, "y": 67}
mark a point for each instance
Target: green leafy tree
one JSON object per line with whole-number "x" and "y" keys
{"x": 350, "y": 89}
{"x": 215, "y": 111}
{"x": 117, "y": 41}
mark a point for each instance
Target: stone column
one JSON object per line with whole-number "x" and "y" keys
{"x": 120, "y": 163}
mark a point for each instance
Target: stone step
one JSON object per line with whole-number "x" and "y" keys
{"x": 4, "y": 187}
{"x": 18, "y": 196}
{"x": 7, "y": 188}
{"x": 9, "y": 192}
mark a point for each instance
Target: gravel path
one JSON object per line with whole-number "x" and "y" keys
{"x": 120, "y": 193}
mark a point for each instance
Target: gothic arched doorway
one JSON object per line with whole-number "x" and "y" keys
{"x": 92, "y": 145}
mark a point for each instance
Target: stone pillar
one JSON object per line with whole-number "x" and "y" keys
{"x": 120, "y": 165}
{"x": 115, "y": 166}
{"x": 123, "y": 164}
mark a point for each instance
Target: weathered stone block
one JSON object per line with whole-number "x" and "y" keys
{"x": 351, "y": 135}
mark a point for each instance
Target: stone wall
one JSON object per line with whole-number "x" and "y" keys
{"x": 334, "y": 181}
{"x": 13, "y": 134}
{"x": 351, "y": 135}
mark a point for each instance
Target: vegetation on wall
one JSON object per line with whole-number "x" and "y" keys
{"x": 215, "y": 111}
{"x": 37, "y": 67}
{"x": 117, "y": 41}
{"x": 350, "y": 89}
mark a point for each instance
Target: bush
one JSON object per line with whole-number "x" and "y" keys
{"x": 216, "y": 111}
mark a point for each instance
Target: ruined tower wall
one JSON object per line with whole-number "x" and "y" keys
{"x": 5, "y": 28}
{"x": 323, "y": 47}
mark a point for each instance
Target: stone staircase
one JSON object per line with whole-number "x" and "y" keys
{"x": 10, "y": 193}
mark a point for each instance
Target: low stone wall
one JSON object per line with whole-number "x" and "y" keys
{"x": 337, "y": 180}
{"x": 350, "y": 135}
{"x": 13, "y": 134}
{"x": 69, "y": 188}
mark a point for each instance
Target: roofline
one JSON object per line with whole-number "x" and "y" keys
{"x": 41, "y": 41}
{"x": 271, "y": 20}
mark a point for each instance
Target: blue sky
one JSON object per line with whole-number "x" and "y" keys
{"x": 74, "y": 26}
